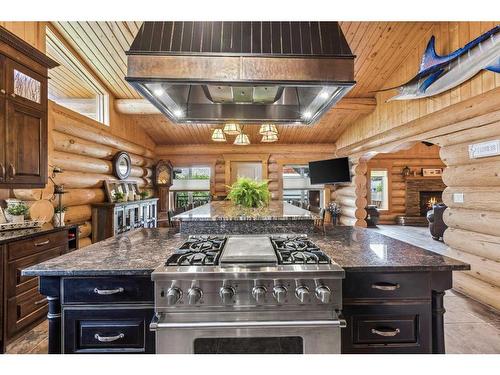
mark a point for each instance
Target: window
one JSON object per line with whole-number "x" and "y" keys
{"x": 379, "y": 189}
{"x": 190, "y": 187}
{"x": 71, "y": 85}
{"x": 297, "y": 187}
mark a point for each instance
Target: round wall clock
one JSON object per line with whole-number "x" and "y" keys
{"x": 163, "y": 173}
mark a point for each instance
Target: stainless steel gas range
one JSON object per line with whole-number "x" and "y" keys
{"x": 248, "y": 294}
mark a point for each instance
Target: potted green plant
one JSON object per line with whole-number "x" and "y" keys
{"x": 16, "y": 212}
{"x": 144, "y": 194}
{"x": 58, "y": 218}
{"x": 118, "y": 196}
{"x": 249, "y": 193}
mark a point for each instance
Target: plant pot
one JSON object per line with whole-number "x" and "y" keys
{"x": 14, "y": 218}
{"x": 58, "y": 219}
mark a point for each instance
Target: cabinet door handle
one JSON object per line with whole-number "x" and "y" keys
{"x": 385, "y": 286}
{"x": 41, "y": 301}
{"x": 46, "y": 242}
{"x": 100, "y": 338}
{"x": 12, "y": 170}
{"x": 2, "y": 172}
{"x": 2, "y": 91}
{"x": 386, "y": 332}
{"x": 107, "y": 292}
{"x": 13, "y": 95}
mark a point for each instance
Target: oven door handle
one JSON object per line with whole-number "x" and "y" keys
{"x": 156, "y": 323}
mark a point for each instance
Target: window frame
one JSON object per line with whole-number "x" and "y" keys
{"x": 389, "y": 186}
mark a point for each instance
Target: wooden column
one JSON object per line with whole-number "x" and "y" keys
{"x": 49, "y": 287}
{"x": 352, "y": 197}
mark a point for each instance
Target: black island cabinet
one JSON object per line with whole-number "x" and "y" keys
{"x": 391, "y": 303}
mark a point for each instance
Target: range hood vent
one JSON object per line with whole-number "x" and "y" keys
{"x": 250, "y": 72}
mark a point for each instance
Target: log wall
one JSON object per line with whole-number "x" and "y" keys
{"x": 352, "y": 197}
{"x": 84, "y": 149}
{"x": 417, "y": 157}
{"x": 473, "y": 235}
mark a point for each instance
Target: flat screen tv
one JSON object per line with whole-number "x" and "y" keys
{"x": 329, "y": 171}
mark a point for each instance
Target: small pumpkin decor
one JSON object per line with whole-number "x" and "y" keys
{"x": 249, "y": 193}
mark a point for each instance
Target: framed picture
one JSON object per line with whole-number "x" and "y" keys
{"x": 431, "y": 172}
{"x": 123, "y": 187}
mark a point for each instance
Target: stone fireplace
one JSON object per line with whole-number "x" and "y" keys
{"x": 421, "y": 194}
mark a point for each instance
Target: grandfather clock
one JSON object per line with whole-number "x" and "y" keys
{"x": 163, "y": 181}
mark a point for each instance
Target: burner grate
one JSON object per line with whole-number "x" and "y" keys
{"x": 198, "y": 251}
{"x": 298, "y": 250}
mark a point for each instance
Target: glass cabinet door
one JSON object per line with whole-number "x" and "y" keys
{"x": 25, "y": 85}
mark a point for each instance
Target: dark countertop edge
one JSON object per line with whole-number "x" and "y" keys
{"x": 263, "y": 218}
{"x": 147, "y": 272}
{"x": 34, "y": 234}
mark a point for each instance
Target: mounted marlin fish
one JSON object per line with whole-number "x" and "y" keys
{"x": 440, "y": 73}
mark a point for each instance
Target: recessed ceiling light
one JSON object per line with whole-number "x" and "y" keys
{"x": 306, "y": 115}
{"x": 178, "y": 113}
{"x": 159, "y": 92}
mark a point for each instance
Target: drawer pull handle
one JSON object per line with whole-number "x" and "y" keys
{"x": 385, "y": 286}
{"x": 107, "y": 292}
{"x": 100, "y": 338}
{"x": 386, "y": 333}
{"x": 41, "y": 301}
{"x": 42, "y": 243}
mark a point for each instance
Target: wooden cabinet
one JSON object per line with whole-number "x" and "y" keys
{"x": 387, "y": 312}
{"x": 23, "y": 305}
{"x": 111, "y": 219}
{"x": 23, "y": 113}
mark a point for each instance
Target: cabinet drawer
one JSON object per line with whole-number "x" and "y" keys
{"x": 123, "y": 330}
{"x": 24, "y": 310}
{"x": 20, "y": 249}
{"x": 386, "y": 285}
{"x": 16, "y": 283}
{"x": 123, "y": 289}
{"x": 387, "y": 329}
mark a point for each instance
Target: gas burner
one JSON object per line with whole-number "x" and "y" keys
{"x": 198, "y": 251}
{"x": 298, "y": 250}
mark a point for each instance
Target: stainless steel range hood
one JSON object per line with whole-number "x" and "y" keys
{"x": 250, "y": 72}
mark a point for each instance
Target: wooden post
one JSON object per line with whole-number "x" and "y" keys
{"x": 49, "y": 287}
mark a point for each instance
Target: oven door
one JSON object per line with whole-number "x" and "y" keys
{"x": 240, "y": 333}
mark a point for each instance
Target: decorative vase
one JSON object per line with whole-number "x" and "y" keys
{"x": 15, "y": 218}
{"x": 58, "y": 219}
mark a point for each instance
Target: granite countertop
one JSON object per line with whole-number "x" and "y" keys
{"x": 226, "y": 210}
{"x": 141, "y": 251}
{"x": 23, "y": 234}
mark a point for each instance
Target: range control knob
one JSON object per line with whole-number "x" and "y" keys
{"x": 279, "y": 294}
{"x": 323, "y": 293}
{"x": 226, "y": 294}
{"x": 302, "y": 292}
{"x": 194, "y": 295}
{"x": 259, "y": 293}
{"x": 173, "y": 295}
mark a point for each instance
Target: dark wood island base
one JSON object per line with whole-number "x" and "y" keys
{"x": 101, "y": 302}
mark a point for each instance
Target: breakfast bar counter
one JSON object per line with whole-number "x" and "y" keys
{"x": 224, "y": 217}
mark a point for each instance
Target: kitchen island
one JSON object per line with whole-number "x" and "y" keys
{"x": 387, "y": 282}
{"x": 224, "y": 217}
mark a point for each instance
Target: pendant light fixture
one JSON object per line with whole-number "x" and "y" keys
{"x": 218, "y": 136}
{"x": 232, "y": 129}
{"x": 268, "y": 129}
{"x": 268, "y": 138}
{"x": 242, "y": 140}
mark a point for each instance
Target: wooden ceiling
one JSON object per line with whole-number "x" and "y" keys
{"x": 380, "y": 47}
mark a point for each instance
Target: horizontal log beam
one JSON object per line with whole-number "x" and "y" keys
{"x": 476, "y": 198}
{"x": 484, "y": 174}
{"x": 479, "y": 244}
{"x": 480, "y": 221}
{"x": 214, "y": 149}
{"x": 477, "y": 289}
